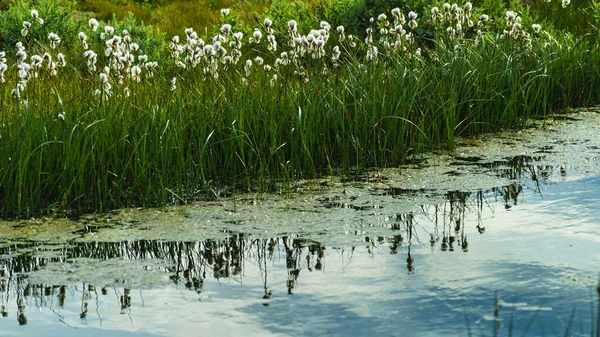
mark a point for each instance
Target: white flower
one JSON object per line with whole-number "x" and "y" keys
{"x": 372, "y": 53}
{"x": 536, "y": 27}
{"x": 105, "y": 85}
{"x": 134, "y": 73}
{"x": 83, "y": 39}
{"x": 225, "y": 11}
{"x": 335, "y": 54}
{"x": 36, "y": 61}
{"x": 36, "y": 15}
{"x": 381, "y": 17}
{"x": 108, "y": 30}
{"x": 248, "y": 66}
{"x": 412, "y": 15}
{"x": 3, "y": 68}
{"x": 93, "y": 24}
{"x": 21, "y": 56}
{"x": 293, "y": 26}
{"x": 150, "y": 67}
{"x": 272, "y": 46}
{"x": 16, "y": 92}
{"x": 47, "y": 57}
{"x": 23, "y": 71}
{"x": 61, "y": 60}
{"x": 226, "y": 29}
{"x": 268, "y": 22}
{"x": 257, "y": 35}
{"x": 91, "y": 57}
{"x": 54, "y": 40}
{"x": 284, "y": 58}
{"x": 412, "y": 24}
{"x": 25, "y": 29}
{"x": 565, "y": 3}
{"x": 351, "y": 41}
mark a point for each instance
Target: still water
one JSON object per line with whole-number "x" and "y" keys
{"x": 500, "y": 236}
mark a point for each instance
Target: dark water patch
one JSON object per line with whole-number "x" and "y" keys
{"x": 362, "y": 177}
{"x": 568, "y": 117}
{"x": 407, "y": 192}
{"x": 88, "y": 229}
{"x": 545, "y": 149}
{"x": 467, "y": 159}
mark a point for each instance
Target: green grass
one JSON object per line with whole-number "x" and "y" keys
{"x": 216, "y": 136}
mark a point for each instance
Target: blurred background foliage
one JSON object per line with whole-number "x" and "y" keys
{"x": 154, "y": 18}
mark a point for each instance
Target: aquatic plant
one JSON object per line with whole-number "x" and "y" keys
{"x": 110, "y": 124}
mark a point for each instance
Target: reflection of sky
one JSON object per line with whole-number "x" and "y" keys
{"x": 541, "y": 256}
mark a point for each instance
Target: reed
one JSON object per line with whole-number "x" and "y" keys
{"x": 209, "y": 115}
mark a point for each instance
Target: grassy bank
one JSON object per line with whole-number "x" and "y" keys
{"x": 110, "y": 127}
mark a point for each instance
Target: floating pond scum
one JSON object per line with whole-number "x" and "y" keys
{"x": 500, "y": 236}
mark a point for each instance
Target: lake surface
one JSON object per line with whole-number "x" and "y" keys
{"x": 501, "y": 235}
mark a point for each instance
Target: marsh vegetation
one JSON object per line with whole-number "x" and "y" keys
{"x": 98, "y": 115}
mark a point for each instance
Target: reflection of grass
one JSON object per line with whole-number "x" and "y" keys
{"x": 570, "y": 330}
{"x": 597, "y": 313}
